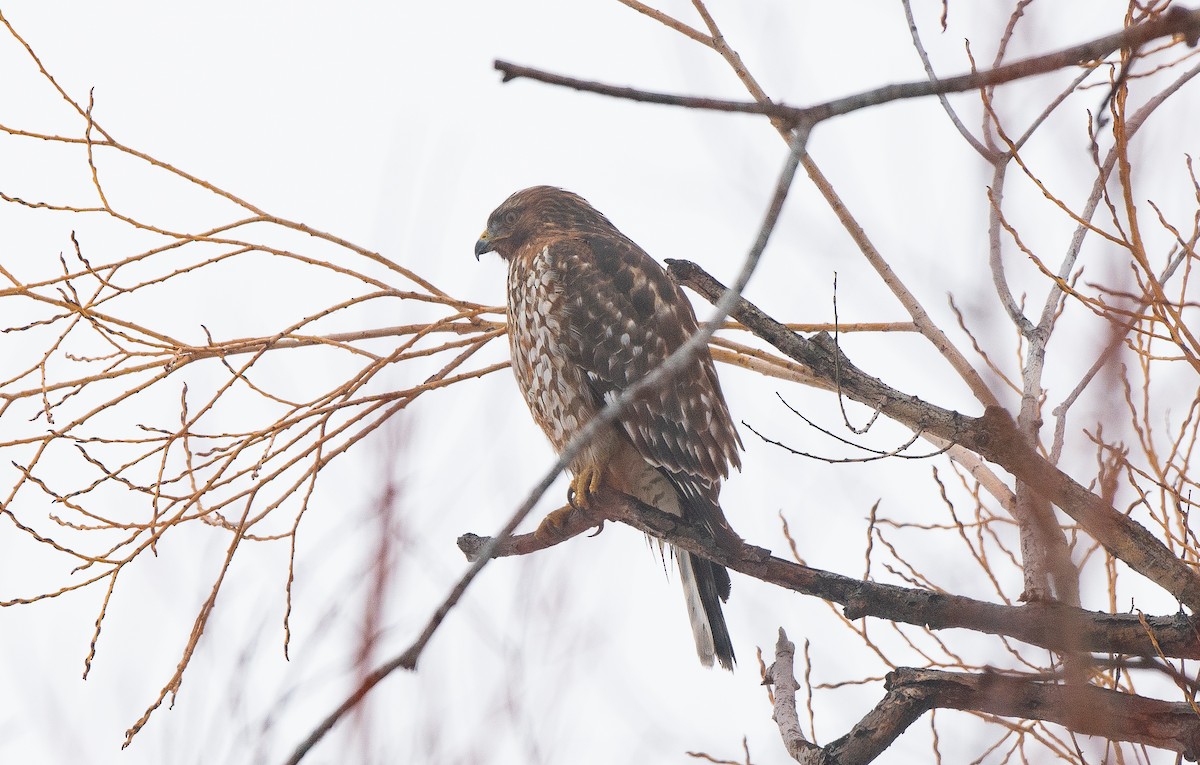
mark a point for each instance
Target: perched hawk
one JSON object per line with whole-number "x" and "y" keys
{"x": 589, "y": 314}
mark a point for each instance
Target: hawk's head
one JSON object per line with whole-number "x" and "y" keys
{"x": 532, "y": 213}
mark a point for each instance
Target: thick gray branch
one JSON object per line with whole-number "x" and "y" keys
{"x": 1048, "y": 625}
{"x": 1083, "y": 709}
{"x": 993, "y": 436}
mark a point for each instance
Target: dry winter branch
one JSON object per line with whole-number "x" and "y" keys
{"x": 95, "y": 363}
{"x": 992, "y": 436}
{"x": 1048, "y": 625}
{"x": 1177, "y": 21}
{"x": 1085, "y": 710}
{"x": 782, "y": 678}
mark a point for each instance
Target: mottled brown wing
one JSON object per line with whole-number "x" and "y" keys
{"x": 624, "y": 316}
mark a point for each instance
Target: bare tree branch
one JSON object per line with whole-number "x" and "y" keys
{"x": 577, "y": 522}
{"x": 1083, "y": 709}
{"x": 993, "y": 436}
{"x": 1048, "y": 625}
{"x": 95, "y": 373}
{"x": 1177, "y": 21}
{"x": 782, "y": 677}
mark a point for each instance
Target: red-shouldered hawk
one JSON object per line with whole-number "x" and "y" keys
{"x": 589, "y": 314}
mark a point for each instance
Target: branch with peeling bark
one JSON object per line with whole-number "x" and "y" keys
{"x": 782, "y": 678}
{"x": 911, "y": 693}
{"x": 1048, "y": 625}
{"x": 1084, "y": 709}
{"x": 993, "y": 437}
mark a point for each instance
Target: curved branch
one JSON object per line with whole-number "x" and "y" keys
{"x": 1083, "y": 709}
{"x": 1048, "y": 625}
{"x": 993, "y": 436}
{"x": 1176, "y": 21}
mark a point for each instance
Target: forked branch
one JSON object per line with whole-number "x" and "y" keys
{"x": 1083, "y": 709}
{"x": 992, "y": 436}
{"x": 1176, "y": 21}
{"x": 1047, "y": 625}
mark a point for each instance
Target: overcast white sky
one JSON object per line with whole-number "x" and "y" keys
{"x": 386, "y": 125}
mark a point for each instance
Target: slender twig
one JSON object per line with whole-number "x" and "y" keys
{"x": 955, "y": 120}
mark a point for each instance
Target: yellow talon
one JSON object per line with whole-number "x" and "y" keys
{"x": 584, "y": 485}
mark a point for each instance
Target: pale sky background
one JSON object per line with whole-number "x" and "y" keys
{"x": 387, "y": 125}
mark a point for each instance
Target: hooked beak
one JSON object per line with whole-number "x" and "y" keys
{"x": 483, "y": 245}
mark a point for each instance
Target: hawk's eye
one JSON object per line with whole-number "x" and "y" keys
{"x": 510, "y": 218}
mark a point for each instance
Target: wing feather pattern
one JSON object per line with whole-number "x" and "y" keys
{"x": 624, "y": 316}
